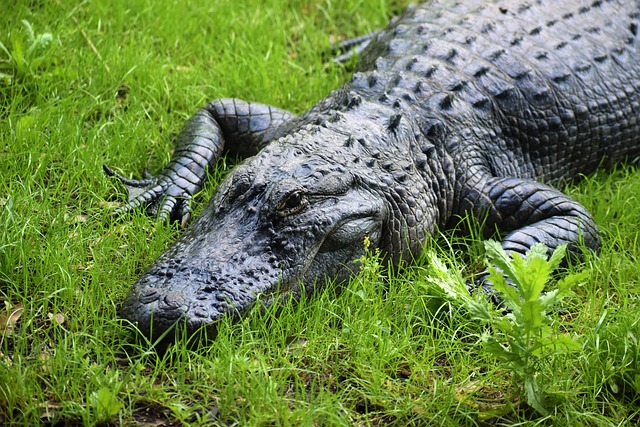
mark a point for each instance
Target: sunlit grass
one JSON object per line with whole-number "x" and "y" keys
{"x": 114, "y": 85}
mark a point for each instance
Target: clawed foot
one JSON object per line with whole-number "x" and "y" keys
{"x": 483, "y": 286}
{"x": 163, "y": 197}
{"x": 351, "y": 48}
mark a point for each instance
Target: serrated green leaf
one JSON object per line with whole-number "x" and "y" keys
{"x": 41, "y": 41}
{"x": 565, "y": 342}
{"x": 533, "y": 275}
{"x": 565, "y": 284}
{"x": 107, "y": 402}
{"x": 522, "y": 339}
{"x": 504, "y": 354}
{"x": 636, "y": 383}
{"x": 480, "y": 309}
{"x": 549, "y": 299}
{"x": 17, "y": 52}
{"x": 557, "y": 256}
{"x": 499, "y": 257}
{"x": 30, "y": 31}
{"x": 450, "y": 282}
{"x": 497, "y": 349}
{"x": 560, "y": 344}
{"x": 506, "y": 325}
{"x": 6, "y": 77}
{"x": 509, "y": 294}
{"x": 532, "y": 315}
{"x": 538, "y": 250}
{"x": 542, "y": 253}
{"x": 535, "y": 395}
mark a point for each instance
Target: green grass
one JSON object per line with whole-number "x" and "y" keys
{"x": 389, "y": 350}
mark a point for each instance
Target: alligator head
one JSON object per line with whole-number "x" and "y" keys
{"x": 278, "y": 225}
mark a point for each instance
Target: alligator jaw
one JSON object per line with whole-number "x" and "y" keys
{"x": 161, "y": 314}
{"x": 198, "y": 282}
{"x": 190, "y": 288}
{"x": 189, "y": 302}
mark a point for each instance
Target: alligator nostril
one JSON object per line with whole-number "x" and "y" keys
{"x": 209, "y": 289}
{"x": 221, "y": 297}
{"x": 202, "y": 313}
{"x": 173, "y": 300}
{"x": 149, "y": 295}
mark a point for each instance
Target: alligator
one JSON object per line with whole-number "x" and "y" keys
{"x": 478, "y": 108}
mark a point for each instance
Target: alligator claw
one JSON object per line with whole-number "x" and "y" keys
{"x": 351, "y": 48}
{"x": 160, "y": 196}
{"x": 175, "y": 208}
{"x": 484, "y": 286}
{"x": 135, "y": 183}
{"x": 347, "y": 49}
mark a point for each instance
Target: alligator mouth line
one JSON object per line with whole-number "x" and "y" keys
{"x": 288, "y": 287}
{"x": 294, "y": 286}
{"x": 269, "y": 298}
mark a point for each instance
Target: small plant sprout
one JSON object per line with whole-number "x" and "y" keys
{"x": 370, "y": 264}
{"x": 105, "y": 404}
{"x": 18, "y": 60}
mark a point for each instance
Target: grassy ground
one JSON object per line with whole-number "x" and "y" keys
{"x": 92, "y": 82}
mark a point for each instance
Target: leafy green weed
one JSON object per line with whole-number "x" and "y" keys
{"x": 524, "y": 338}
{"x": 22, "y": 59}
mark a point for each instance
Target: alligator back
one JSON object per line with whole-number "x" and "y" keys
{"x": 537, "y": 89}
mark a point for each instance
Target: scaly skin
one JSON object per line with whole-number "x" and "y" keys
{"x": 456, "y": 108}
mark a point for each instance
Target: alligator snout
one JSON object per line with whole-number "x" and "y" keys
{"x": 163, "y": 301}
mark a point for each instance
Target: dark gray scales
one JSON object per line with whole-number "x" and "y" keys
{"x": 458, "y": 107}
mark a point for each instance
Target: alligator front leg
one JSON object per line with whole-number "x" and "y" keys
{"x": 529, "y": 212}
{"x": 233, "y": 125}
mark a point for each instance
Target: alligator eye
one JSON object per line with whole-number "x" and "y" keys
{"x": 293, "y": 201}
{"x": 292, "y": 204}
